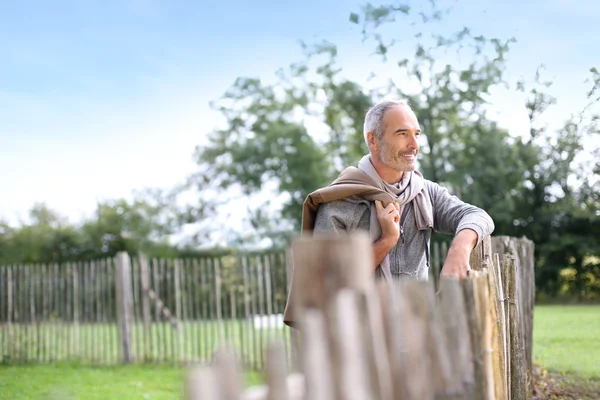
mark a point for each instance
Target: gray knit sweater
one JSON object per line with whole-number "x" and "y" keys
{"x": 408, "y": 258}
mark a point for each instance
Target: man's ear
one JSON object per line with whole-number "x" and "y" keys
{"x": 371, "y": 139}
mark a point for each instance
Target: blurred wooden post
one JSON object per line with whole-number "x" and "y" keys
{"x": 146, "y": 304}
{"x": 325, "y": 265}
{"x": 316, "y": 363}
{"x": 420, "y": 296}
{"x": 229, "y": 376}
{"x": 276, "y": 372}
{"x": 471, "y": 288}
{"x": 353, "y": 376}
{"x": 176, "y": 277}
{"x": 201, "y": 383}
{"x": 376, "y": 346}
{"x": 452, "y": 313}
{"x": 124, "y": 304}
{"x": 392, "y": 308}
{"x": 9, "y": 291}
{"x": 76, "y": 309}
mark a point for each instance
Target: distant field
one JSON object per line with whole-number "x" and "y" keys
{"x": 566, "y": 339}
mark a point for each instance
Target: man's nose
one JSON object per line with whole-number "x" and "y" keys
{"x": 413, "y": 143}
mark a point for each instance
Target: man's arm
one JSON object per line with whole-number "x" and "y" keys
{"x": 469, "y": 224}
{"x": 459, "y": 253}
{"x": 339, "y": 217}
{"x": 389, "y": 220}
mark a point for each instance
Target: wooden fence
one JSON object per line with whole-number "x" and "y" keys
{"x": 171, "y": 311}
{"x": 130, "y": 309}
{"x": 393, "y": 340}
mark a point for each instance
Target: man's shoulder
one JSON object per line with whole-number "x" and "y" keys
{"x": 348, "y": 208}
{"x": 346, "y": 213}
{"x": 349, "y": 203}
{"x": 432, "y": 186}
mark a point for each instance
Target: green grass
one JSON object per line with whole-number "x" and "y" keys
{"x": 99, "y": 343}
{"x": 566, "y": 339}
{"x": 76, "y": 382}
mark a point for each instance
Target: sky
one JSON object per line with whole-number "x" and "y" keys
{"x": 100, "y": 98}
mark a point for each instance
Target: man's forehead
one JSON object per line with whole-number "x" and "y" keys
{"x": 401, "y": 113}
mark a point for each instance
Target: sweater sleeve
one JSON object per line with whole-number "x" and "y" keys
{"x": 341, "y": 216}
{"x": 451, "y": 215}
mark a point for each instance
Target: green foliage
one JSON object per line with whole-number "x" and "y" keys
{"x": 266, "y": 140}
{"x": 529, "y": 185}
{"x": 557, "y": 206}
{"x": 142, "y": 224}
{"x": 284, "y": 139}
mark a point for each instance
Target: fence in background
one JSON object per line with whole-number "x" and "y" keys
{"x": 137, "y": 310}
{"x": 169, "y": 310}
{"x": 395, "y": 340}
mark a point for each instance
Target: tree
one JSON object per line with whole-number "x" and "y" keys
{"x": 528, "y": 184}
{"x": 555, "y": 210}
{"x": 267, "y": 124}
{"x": 142, "y": 224}
{"x": 48, "y": 237}
{"x": 463, "y": 149}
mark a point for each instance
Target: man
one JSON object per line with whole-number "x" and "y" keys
{"x": 390, "y": 199}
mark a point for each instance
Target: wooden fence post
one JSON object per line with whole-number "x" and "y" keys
{"x": 522, "y": 249}
{"x": 75, "y": 309}
{"x": 276, "y": 372}
{"x": 124, "y": 303}
{"x": 481, "y": 253}
{"x": 178, "y": 338}
{"x": 518, "y": 379}
{"x": 324, "y": 266}
{"x": 9, "y": 344}
{"x": 145, "y": 272}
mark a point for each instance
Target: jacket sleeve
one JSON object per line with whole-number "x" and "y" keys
{"x": 342, "y": 216}
{"x": 451, "y": 215}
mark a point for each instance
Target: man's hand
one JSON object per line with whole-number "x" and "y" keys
{"x": 457, "y": 260}
{"x": 389, "y": 218}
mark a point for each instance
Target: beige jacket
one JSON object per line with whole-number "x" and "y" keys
{"x": 351, "y": 182}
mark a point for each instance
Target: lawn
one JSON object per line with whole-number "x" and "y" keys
{"x": 75, "y": 382}
{"x": 566, "y": 339}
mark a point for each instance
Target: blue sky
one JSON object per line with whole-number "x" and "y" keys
{"x": 100, "y": 98}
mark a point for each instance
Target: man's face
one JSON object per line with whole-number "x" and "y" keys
{"x": 398, "y": 148}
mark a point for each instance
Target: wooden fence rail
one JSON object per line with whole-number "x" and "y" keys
{"x": 134, "y": 309}
{"x": 362, "y": 339}
{"x": 131, "y": 309}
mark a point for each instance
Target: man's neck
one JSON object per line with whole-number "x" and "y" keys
{"x": 389, "y": 175}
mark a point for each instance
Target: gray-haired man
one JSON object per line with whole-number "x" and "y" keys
{"x": 390, "y": 199}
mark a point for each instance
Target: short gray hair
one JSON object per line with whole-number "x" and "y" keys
{"x": 374, "y": 117}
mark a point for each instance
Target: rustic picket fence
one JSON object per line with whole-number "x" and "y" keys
{"x": 132, "y": 309}
{"x": 362, "y": 339}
